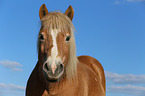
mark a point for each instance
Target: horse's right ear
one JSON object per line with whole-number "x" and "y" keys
{"x": 43, "y": 11}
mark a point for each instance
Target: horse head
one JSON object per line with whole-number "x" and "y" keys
{"x": 56, "y": 44}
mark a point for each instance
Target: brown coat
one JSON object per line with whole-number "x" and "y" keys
{"x": 90, "y": 81}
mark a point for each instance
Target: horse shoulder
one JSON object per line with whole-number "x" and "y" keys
{"x": 34, "y": 88}
{"x": 96, "y": 66}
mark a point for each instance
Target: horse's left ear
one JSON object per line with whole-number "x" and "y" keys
{"x": 69, "y": 12}
{"x": 43, "y": 11}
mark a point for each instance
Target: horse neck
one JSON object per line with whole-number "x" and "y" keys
{"x": 58, "y": 87}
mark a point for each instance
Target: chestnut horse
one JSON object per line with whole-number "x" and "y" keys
{"x": 58, "y": 71}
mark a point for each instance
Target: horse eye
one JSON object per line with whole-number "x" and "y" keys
{"x": 67, "y": 38}
{"x": 41, "y": 37}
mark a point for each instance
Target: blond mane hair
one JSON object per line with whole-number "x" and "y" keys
{"x": 57, "y": 20}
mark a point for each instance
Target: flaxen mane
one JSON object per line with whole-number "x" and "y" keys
{"x": 57, "y": 20}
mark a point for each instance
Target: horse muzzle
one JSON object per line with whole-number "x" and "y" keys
{"x": 53, "y": 72}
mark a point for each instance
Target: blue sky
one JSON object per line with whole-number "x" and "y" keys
{"x": 112, "y": 31}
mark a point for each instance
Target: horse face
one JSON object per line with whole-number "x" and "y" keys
{"x": 54, "y": 42}
{"x": 54, "y": 52}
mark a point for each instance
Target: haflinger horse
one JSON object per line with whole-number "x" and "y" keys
{"x": 58, "y": 71}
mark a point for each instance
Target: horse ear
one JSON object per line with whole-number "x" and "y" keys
{"x": 43, "y": 11}
{"x": 69, "y": 12}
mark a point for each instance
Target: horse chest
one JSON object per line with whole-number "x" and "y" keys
{"x": 52, "y": 93}
{"x": 58, "y": 92}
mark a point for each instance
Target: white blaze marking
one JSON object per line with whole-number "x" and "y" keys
{"x": 54, "y": 51}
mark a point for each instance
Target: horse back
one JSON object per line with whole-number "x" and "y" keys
{"x": 96, "y": 66}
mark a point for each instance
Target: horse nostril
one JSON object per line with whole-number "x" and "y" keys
{"x": 61, "y": 67}
{"x": 46, "y": 67}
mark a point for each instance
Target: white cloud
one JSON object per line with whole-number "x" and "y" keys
{"x": 11, "y": 90}
{"x": 11, "y": 65}
{"x": 125, "y": 1}
{"x": 125, "y": 78}
{"x": 117, "y": 2}
{"x": 11, "y": 87}
{"x": 125, "y": 83}
{"x": 135, "y": 0}
{"x": 129, "y": 89}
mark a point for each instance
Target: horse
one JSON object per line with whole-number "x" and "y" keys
{"x": 59, "y": 72}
